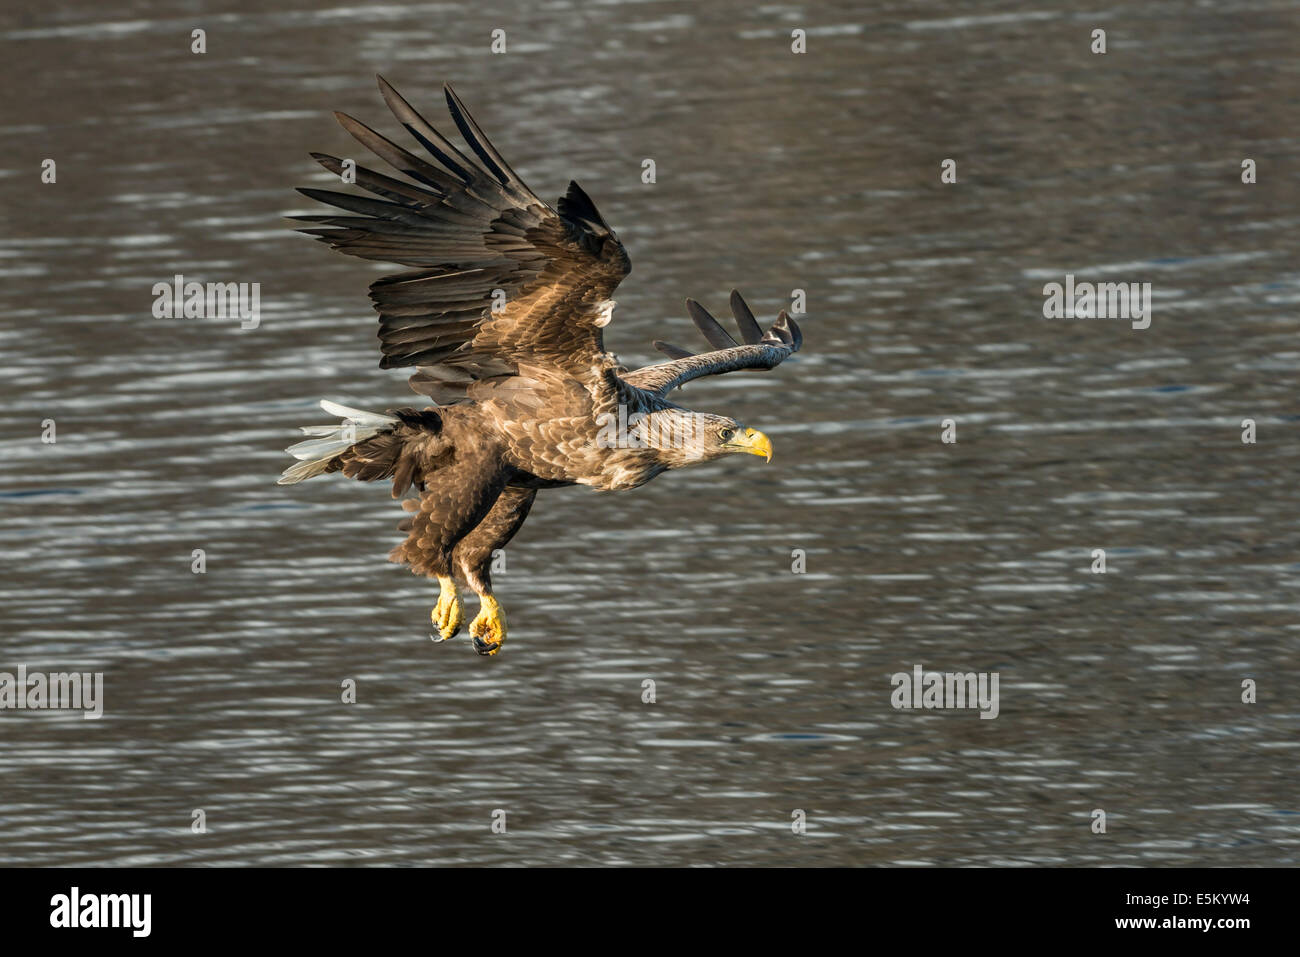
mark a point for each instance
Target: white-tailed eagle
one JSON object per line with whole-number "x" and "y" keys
{"x": 502, "y": 315}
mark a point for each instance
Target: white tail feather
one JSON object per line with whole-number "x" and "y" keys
{"x": 357, "y": 416}
{"x": 333, "y": 439}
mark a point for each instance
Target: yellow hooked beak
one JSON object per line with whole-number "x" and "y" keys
{"x": 752, "y": 441}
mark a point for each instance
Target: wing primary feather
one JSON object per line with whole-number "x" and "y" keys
{"x": 750, "y": 330}
{"x": 477, "y": 141}
{"x": 718, "y": 337}
{"x": 394, "y": 155}
{"x": 422, "y": 130}
{"x": 378, "y": 208}
{"x": 382, "y": 185}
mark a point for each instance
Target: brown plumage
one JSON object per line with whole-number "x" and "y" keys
{"x": 502, "y": 317}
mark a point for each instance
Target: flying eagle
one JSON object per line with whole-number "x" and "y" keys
{"x": 502, "y": 317}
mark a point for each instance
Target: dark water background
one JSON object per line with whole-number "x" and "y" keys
{"x": 776, "y": 171}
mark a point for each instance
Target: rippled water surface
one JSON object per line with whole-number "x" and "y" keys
{"x": 775, "y": 172}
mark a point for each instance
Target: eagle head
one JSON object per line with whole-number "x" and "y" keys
{"x": 682, "y": 437}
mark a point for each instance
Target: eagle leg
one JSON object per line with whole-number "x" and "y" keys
{"x": 456, "y": 498}
{"x": 447, "y": 615}
{"x": 475, "y": 554}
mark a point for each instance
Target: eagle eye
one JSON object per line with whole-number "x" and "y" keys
{"x": 726, "y": 434}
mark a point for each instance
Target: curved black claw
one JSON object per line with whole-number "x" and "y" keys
{"x": 486, "y": 648}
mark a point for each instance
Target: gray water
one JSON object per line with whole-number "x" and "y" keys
{"x": 775, "y": 171}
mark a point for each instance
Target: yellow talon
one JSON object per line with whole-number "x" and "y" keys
{"x": 489, "y": 629}
{"x": 447, "y": 615}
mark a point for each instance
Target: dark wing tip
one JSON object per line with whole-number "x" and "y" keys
{"x": 718, "y": 337}
{"x": 576, "y": 205}
{"x": 750, "y": 330}
{"x": 478, "y": 140}
{"x": 784, "y": 332}
{"x": 795, "y": 333}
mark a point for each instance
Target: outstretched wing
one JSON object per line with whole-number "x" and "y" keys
{"x": 760, "y": 350}
{"x": 501, "y": 278}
